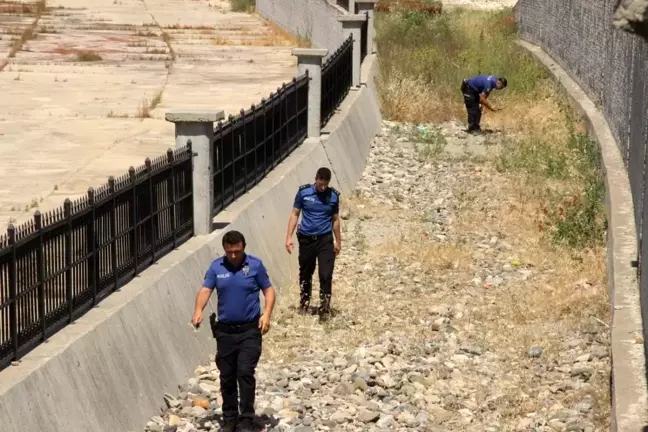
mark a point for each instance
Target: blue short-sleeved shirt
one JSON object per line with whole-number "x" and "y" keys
{"x": 317, "y": 209}
{"x": 483, "y": 83}
{"x": 237, "y": 288}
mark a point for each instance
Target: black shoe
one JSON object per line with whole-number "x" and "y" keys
{"x": 247, "y": 425}
{"x": 229, "y": 426}
{"x": 324, "y": 314}
{"x": 303, "y": 308}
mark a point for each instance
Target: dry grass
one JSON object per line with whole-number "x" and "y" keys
{"x": 267, "y": 35}
{"x": 145, "y": 107}
{"x": 243, "y": 5}
{"x": 188, "y": 27}
{"x": 19, "y": 8}
{"x": 423, "y": 59}
{"x": 167, "y": 40}
{"x": 542, "y": 193}
{"x": 29, "y": 33}
{"x": 88, "y": 56}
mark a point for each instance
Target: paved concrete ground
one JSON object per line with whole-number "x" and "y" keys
{"x": 68, "y": 123}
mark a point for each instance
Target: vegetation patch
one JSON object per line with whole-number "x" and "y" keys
{"x": 538, "y": 186}
{"x": 88, "y": 56}
{"x": 243, "y": 5}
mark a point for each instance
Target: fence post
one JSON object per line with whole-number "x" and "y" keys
{"x": 13, "y": 292}
{"x": 198, "y": 127}
{"x": 352, "y": 25}
{"x": 309, "y": 60}
{"x": 367, "y": 6}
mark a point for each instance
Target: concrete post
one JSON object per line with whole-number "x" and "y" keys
{"x": 367, "y": 6}
{"x": 351, "y": 6}
{"x": 310, "y": 59}
{"x": 352, "y": 25}
{"x": 198, "y": 127}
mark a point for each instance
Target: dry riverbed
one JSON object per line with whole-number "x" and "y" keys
{"x": 451, "y": 313}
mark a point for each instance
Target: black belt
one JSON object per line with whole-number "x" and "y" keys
{"x": 237, "y": 327}
{"x": 314, "y": 237}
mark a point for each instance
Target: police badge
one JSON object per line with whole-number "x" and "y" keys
{"x": 246, "y": 270}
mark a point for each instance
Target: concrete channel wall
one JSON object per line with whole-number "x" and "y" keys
{"x": 628, "y": 383}
{"x": 109, "y": 370}
{"x": 316, "y": 20}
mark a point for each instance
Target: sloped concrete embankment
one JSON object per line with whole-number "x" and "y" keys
{"x": 106, "y": 371}
{"x": 316, "y": 20}
{"x": 628, "y": 387}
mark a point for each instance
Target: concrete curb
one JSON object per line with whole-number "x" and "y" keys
{"x": 628, "y": 383}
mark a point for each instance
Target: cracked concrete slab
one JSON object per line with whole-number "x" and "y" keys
{"x": 85, "y": 95}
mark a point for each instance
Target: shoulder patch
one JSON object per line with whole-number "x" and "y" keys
{"x": 305, "y": 186}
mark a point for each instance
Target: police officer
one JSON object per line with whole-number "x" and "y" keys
{"x": 475, "y": 92}
{"x": 319, "y": 207}
{"x": 237, "y": 277}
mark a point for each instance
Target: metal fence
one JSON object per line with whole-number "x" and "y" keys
{"x": 363, "y": 37}
{"x": 247, "y": 147}
{"x": 612, "y": 66}
{"x": 336, "y": 79}
{"x": 58, "y": 266}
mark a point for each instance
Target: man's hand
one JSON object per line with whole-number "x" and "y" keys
{"x": 264, "y": 323}
{"x": 289, "y": 244}
{"x": 337, "y": 246}
{"x": 197, "y": 318}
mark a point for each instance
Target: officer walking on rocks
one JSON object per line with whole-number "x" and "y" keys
{"x": 319, "y": 207}
{"x": 475, "y": 92}
{"x": 237, "y": 277}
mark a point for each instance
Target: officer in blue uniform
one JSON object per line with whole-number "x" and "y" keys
{"x": 475, "y": 92}
{"x": 319, "y": 207}
{"x": 237, "y": 277}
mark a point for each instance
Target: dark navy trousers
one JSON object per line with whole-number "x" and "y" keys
{"x": 238, "y": 353}
{"x": 471, "y": 100}
{"x": 316, "y": 250}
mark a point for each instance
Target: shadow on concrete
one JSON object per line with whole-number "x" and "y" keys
{"x": 219, "y": 225}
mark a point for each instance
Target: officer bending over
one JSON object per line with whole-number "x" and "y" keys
{"x": 319, "y": 207}
{"x": 237, "y": 278}
{"x": 475, "y": 92}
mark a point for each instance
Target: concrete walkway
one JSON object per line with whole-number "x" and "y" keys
{"x": 69, "y": 120}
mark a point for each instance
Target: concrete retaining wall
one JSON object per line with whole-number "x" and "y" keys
{"x": 629, "y": 396}
{"x": 110, "y": 369}
{"x": 315, "y": 19}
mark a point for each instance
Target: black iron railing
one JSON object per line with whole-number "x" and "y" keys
{"x": 336, "y": 79}
{"x": 363, "y": 37}
{"x": 58, "y": 266}
{"x": 249, "y": 146}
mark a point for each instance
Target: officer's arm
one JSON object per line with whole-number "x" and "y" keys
{"x": 202, "y": 298}
{"x": 336, "y": 227}
{"x": 209, "y": 283}
{"x": 294, "y": 216}
{"x": 483, "y": 100}
{"x": 269, "y": 297}
{"x": 292, "y": 221}
{"x": 263, "y": 280}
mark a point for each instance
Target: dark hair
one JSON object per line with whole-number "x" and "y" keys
{"x": 323, "y": 174}
{"x": 504, "y": 82}
{"x": 233, "y": 237}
